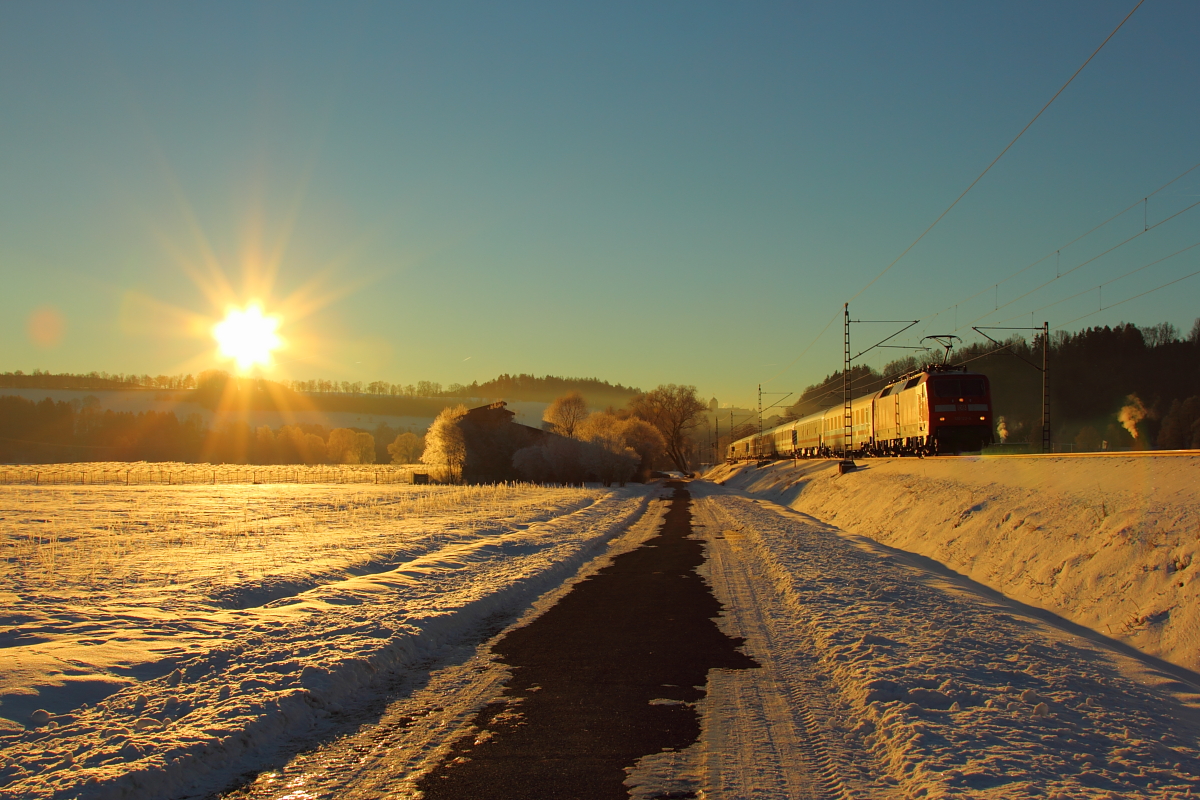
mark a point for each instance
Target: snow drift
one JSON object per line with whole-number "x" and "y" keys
{"x": 1107, "y": 542}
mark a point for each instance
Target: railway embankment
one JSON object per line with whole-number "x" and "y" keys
{"x": 1111, "y": 544}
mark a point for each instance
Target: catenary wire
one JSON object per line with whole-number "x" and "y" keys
{"x": 803, "y": 352}
{"x": 1002, "y": 152}
{"x": 1106, "y": 283}
{"x": 965, "y": 191}
{"x": 1077, "y": 239}
{"x": 1079, "y": 266}
{"x": 1127, "y": 299}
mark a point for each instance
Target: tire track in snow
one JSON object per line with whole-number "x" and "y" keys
{"x": 954, "y": 696}
{"x": 784, "y": 705}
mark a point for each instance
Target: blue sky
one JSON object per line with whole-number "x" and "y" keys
{"x": 645, "y": 193}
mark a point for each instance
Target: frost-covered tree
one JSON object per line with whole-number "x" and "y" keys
{"x": 530, "y": 464}
{"x": 365, "y": 444}
{"x": 566, "y": 413}
{"x": 346, "y": 446}
{"x": 610, "y": 460}
{"x": 406, "y": 448}
{"x": 313, "y": 450}
{"x": 557, "y": 459}
{"x": 341, "y": 446}
{"x": 674, "y": 411}
{"x": 638, "y": 434}
{"x": 264, "y": 445}
{"x": 565, "y": 458}
{"x": 445, "y": 445}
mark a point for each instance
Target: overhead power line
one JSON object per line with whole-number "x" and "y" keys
{"x": 1077, "y": 239}
{"x": 805, "y": 350}
{"x": 1106, "y": 283}
{"x": 1062, "y": 275}
{"x": 1127, "y": 299}
{"x": 1002, "y": 152}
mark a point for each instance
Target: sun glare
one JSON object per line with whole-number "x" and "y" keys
{"x": 247, "y": 336}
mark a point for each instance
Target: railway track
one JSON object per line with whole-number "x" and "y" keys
{"x": 1103, "y": 454}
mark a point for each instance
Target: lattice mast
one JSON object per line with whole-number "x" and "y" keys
{"x": 847, "y": 420}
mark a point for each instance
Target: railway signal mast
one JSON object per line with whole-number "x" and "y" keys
{"x": 785, "y": 396}
{"x": 847, "y": 463}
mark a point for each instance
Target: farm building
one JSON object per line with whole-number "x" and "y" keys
{"x": 492, "y": 437}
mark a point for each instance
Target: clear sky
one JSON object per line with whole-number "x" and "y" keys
{"x": 641, "y": 192}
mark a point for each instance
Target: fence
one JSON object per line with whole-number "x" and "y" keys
{"x": 172, "y": 474}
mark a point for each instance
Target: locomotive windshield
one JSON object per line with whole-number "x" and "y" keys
{"x": 959, "y": 387}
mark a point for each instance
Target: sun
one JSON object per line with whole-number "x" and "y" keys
{"x": 247, "y": 336}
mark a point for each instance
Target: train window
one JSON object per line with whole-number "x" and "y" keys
{"x": 912, "y": 382}
{"x": 973, "y": 387}
{"x": 947, "y": 387}
{"x": 960, "y": 387}
{"x": 888, "y": 390}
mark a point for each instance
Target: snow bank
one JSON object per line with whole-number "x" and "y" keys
{"x": 1108, "y": 543}
{"x": 884, "y": 679}
{"x": 215, "y": 626}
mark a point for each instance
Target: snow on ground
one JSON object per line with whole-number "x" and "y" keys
{"x": 428, "y": 711}
{"x": 1107, "y": 542}
{"x": 205, "y": 626}
{"x": 883, "y": 677}
{"x": 159, "y": 641}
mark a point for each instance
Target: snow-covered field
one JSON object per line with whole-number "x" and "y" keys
{"x": 159, "y": 641}
{"x": 937, "y": 628}
{"x": 178, "y": 473}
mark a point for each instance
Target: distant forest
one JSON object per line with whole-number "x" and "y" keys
{"x": 421, "y": 399}
{"x": 55, "y": 432}
{"x": 1128, "y": 386}
{"x": 48, "y": 432}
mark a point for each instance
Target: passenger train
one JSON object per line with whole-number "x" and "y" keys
{"x": 938, "y": 410}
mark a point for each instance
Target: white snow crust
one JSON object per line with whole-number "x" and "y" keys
{"x": 885, "y": 674}
{"x": 1108, "y": 543}
{"x": 160, "y": 641}
{"x": 388, "y": 757}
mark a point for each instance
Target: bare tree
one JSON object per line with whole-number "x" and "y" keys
{"x": 1160, "y": 334}
{"x": 674, "y": 410}
{"x": 566, "y": 413}
{"x": 445, "y": 446}
{"x": 1193, "y": 337}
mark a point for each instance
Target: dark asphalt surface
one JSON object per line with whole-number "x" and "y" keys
{"x": 578, "y": 709}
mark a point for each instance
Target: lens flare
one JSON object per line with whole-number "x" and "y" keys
{"x": 247, "y": 336}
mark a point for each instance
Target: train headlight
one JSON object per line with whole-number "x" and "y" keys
{"x": 983, "y": 419}
{"x": 941, "y": 419}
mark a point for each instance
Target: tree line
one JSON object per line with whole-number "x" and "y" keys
{"x": 511, "y": 387}
{"x": 59, "y": 432}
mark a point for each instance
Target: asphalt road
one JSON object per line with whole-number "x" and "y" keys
{"x": 599, "y": 680}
